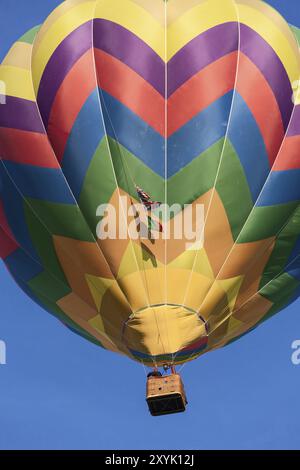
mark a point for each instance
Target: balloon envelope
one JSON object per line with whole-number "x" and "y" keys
{"x": 195, "y": 103}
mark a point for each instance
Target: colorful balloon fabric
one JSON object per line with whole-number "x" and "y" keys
{"x": 194, "y": 101}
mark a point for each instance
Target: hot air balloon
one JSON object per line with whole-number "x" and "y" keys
{"x": 187, "y": 111}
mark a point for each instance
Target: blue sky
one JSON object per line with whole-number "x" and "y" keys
{"x": 57, "y": 391}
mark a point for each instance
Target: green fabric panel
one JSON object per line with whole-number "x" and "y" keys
{"x": 44, "y": 282}
{"x": 283, "y": 248}
{"x": 30, "y": 35}
{"x": 43, "y": 244}
{"x": 279, "y": 307}
{"x": 62, "y": 219}
{"x": 265, "y": 222}
{"x": 233, "y": 189}
{"x": 195, "y": 179}
{"x": 130, "y": 171}
{"x": 199, "y": 177}
{"x": 93, "y": 194}
{"x": 279, "y": 291}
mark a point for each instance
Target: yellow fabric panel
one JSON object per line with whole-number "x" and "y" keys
{"x": 200, "y": 264}
{"x": 240, "y": 321}
{"x": 177, "y": 282}
{"x": 109, "y": 320}
{"x": 18, "y": 82}
{"x": 55, "y": 15}
{"x": 98, "y": 286}
{"x": 136, "y": 258}
{"x": 136, "y": 19}
{"x": 160, "y": 285}
{"x": 138, "y": 270}
{"x": 97, "y": 323}
{"x": 214, "y": 303}
{"x": 163, "y": 329}
{"x": 151, "y": 272}
{"x": 43, "y": 48}
{"x": 231, "y": 287}
{"x": 134, "y": 287}
{"x": 296, "y": 98}
{"x": 198, "y": 288}
{"x": 220, "y": 303}
{"x": 197, "y": 20}
{"x": 76, "y": 309}
{"x": 157, "y": 8}
{"x": 88, "y": 262}
{"x": 19, "y": 56}
{"x": 235, "y": 325}
{"x": 176, "y": 8}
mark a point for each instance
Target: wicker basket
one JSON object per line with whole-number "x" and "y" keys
{"x": 165, "y": 394}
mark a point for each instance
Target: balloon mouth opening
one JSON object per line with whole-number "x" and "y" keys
{"x": 160, "y": 334}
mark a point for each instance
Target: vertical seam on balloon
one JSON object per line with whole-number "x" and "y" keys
{"x": 166, "y": 168}
{"x": 220, "y": 161}
{"x": 144, "y": 281}
{"x": 166, "y": 144}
